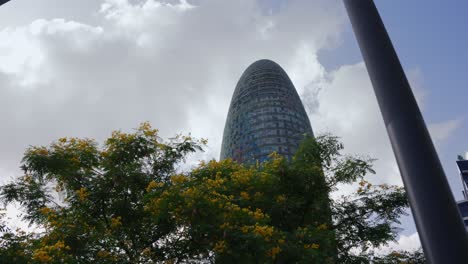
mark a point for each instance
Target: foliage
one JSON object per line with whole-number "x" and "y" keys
{"x": 15, "y": 246}
{"x": 125, "y": 202}
{"x": 402, "y": 257}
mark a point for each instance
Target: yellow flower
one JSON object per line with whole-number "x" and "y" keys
{"x": 83, "y": 144}
{"x": 41, "y": 256}
{"x": 42, "y": 152}
{"x": 146, "y": 251}
{"x": 258, "y": 214}
{"x": 103, "y": 254}
{"x": 145, "y": 127}
{"x": 116, "y": 222}
{"x": 245, "y": 195}
{"x": 60, "y": 245}
{"x": 82, "y": 193}
{"x": 311, "y": 246}
{"x": 176, "y": 179}
{"x": 274, "y": 251}
{"x": 216, "y": 183}
{"x": 264, "y": 231}
{"x": 153, "y": 185}
{"x": 384, "y": 186}
{"x": 322, "y": 227}
{"x": 45, "y": 210}
{"x": 241, "y": 177}
{"x": 75, "y": 160}
{"x": 280, "y": 198}
{"x": 189, "y": 192}
{"x": 245, "y": 229}
{"x": 59, "y": 187}
{"x": 28, "y": 178}
{"x": 220, "y": 246}
{"x": 224, "y": 225}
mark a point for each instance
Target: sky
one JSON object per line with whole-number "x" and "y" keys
{"x": 86, "y": 68}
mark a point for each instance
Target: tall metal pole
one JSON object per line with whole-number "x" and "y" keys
{"x": 3, "y": 2}
{"x": 438, "y": 221}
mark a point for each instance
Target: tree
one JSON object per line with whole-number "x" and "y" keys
{"x": 14, "y": 246}
{"x": 127, "y": 202}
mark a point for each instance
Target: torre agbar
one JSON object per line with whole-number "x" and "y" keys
{"x": 266, "y": 115}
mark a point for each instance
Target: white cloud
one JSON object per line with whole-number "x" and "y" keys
{"x": 170, "y": 62}
{"x": 441, "y": 131}
{"x": 136, "y": 16}
{"x": 404, "y": 243}
{"x": 173, "y": 63}
{"x": 347, "y": 107}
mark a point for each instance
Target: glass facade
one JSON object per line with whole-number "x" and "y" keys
{"x": 265, "y": 115}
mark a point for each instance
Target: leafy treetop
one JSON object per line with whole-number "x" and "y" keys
{"x": 126, "y": 202}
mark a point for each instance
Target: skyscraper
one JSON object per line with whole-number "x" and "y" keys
{"x": 265, "y": 115}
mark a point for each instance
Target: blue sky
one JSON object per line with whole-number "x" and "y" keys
{"x": 433, "y": 36}
{"x": 430, "y": 36}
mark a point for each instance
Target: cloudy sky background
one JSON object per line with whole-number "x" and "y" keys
{"x": 86, "y": 68}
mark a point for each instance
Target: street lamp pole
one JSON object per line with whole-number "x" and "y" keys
{"x": 438, "y": 221}
{"x": 3, "y": 2}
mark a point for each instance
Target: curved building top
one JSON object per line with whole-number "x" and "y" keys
{"x": 265, "y": 115}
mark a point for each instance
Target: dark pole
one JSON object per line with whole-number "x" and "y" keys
{"x": 3, "y": 2}
{"x": 440, "y": 227}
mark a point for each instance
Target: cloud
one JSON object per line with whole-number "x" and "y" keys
{"x": 443, "y": 130}
{"x": 343, "y": 102}
{"x": 348, "y": 108}
{"x": 174, "y": 63}
{"x": 345, "y": 105}
{"x": 143, "y": 14}
{"x": 403, "y": 243}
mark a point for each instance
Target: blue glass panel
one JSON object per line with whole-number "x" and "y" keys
{"x": 265, "y": 114}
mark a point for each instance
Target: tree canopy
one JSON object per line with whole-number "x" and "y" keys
{"x": 128, "y": 201}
